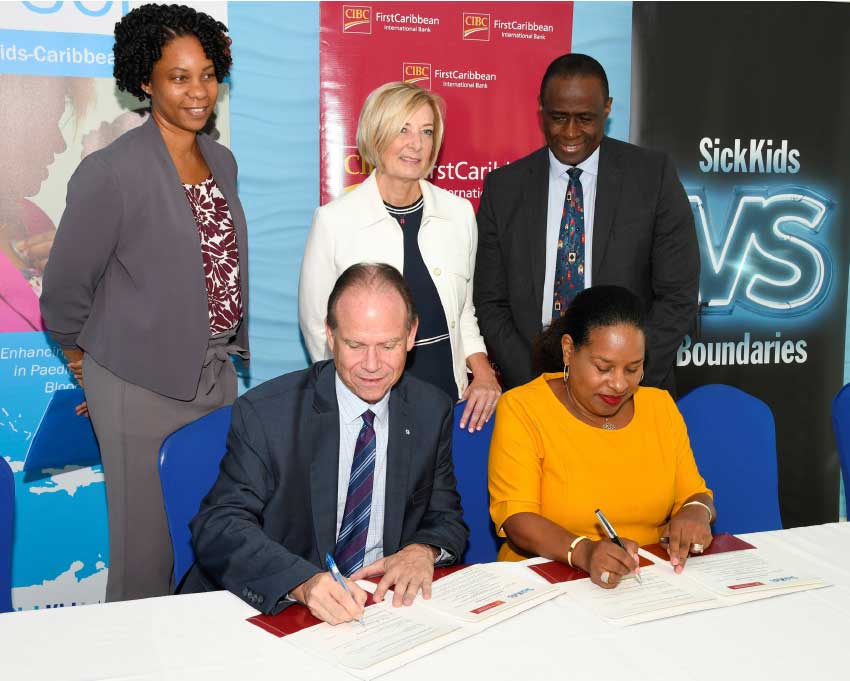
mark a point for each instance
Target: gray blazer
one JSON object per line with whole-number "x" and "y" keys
{"x": 125, "y": 278}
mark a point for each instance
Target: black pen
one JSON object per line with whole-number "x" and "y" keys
{"x": 612, "y": 534}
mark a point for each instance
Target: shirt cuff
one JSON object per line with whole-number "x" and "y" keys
{"x": 444, "y": 556}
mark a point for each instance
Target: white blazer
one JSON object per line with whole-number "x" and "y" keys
{"x": 356, "y": 227}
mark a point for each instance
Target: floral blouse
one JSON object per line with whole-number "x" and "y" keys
{"x": 220, "y": 254}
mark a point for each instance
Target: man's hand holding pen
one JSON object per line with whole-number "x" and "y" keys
{"x": 328, "y": 600}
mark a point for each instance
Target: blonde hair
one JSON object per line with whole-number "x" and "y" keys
{"x": 384, "y": 113}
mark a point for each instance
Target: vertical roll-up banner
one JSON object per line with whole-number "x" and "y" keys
{"x": 751, "y": 101}
{"x": 484, "y": 58}
{"x": 58, "y": 103}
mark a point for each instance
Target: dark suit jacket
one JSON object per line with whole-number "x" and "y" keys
{"x": 270, "y": 517}
{"x": 643, "y": 239}
{"x": 125, "y": 278}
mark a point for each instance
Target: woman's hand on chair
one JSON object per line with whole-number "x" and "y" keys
{"x": 481, "y": 396}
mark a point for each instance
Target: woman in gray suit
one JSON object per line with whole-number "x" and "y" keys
{"x": 146, "y": 286}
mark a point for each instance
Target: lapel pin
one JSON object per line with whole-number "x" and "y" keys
{"x": 407, "y": 431}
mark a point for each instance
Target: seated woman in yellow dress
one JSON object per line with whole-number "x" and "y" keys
{"x": 589, "y": 437}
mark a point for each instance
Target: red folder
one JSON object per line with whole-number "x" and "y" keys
{"x": 555, "y": 572}
{"x": 297, "y": 617}
{"x": 720, "y": 543}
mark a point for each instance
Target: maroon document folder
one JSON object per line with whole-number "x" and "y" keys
{"x": 297, "y": 617}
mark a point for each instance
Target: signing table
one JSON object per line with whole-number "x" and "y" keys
{"x": 206, "y": 637}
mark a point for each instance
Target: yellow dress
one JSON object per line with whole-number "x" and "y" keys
{"x": 544, "y": 460}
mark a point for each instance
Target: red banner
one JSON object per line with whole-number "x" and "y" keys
{"x": 485, "y": 59}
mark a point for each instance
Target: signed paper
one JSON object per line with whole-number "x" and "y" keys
{"x": 481, "y": 591}
{"x": 740, "y": 572}
{"x": 387, "y": 633}
{"x": 711, "y": 581}
{"x": 658, "y": 593}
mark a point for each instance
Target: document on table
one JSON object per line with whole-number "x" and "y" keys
{"x": 479, "y": 592}
{"x": 718, "y": 580}
{"x": 658, "y": 594}
{"x": 737, "y": 572}
{"x": 462, "y": 603}
{"x": 387, "y": 633}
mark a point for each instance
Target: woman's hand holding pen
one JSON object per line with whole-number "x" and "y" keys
{"x": 605, "y": 562}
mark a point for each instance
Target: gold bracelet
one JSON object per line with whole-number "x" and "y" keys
{"x": 572, "y": 547}
{"x": 699, "y": 503}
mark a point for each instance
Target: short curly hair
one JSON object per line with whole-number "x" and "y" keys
{"x": 142, "y": 33}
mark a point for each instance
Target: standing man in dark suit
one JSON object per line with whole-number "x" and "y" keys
{"x": 583, "y": 210}
{"x": 349, "y": 457}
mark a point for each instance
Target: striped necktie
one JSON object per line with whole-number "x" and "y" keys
{"x": 569, "y": 262}
{"x": 351, "y": 542}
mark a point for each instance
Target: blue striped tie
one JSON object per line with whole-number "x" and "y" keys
{"x": 351, "y": 542}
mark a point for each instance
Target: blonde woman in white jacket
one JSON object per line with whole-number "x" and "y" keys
{"x": 428, "y": 234}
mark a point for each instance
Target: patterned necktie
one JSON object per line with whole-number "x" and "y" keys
{"x": 569, "y": 262}
{"x": 351, "y": 542}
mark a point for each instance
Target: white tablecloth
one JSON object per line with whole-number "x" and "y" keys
{"x": 205, "y": 637}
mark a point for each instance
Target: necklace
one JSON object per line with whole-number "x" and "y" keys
{"x": 606, "y": 422}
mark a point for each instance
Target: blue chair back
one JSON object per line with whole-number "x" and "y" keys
{"x": 470, "y": 452}
{"x": 841, "y": 428}
{"x": 7, "y": 522}
{"x": 733, "y": 438}
{"x": 188, "y": 466}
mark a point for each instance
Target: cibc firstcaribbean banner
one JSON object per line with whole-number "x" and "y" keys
{"x": 751, "y": 101}
{"x": 484, "y": 59}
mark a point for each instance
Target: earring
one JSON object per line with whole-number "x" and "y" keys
{"x": 566, "y": 373}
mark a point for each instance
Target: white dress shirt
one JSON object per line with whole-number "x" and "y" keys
{"x": 558, "y": 181}
{"x": 351, "y": 409}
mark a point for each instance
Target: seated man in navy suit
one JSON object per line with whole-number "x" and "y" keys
{"x": 349, "y": 457}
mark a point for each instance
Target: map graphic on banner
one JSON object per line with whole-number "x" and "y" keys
{"x": 477, "y": 56}
{"x": 58, "y": 103}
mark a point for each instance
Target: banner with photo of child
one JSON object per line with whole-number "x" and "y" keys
{"x": 58, "y": 103}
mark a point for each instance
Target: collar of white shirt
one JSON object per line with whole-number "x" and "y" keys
{"x": 589, "y": 165}
{"x": 352, "y": 407}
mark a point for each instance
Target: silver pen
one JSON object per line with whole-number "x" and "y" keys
{"x": 612, "y": 535}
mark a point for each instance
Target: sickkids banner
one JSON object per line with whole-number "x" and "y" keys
{"x": 289, "y": 112}
{"x": 759, "y": 137}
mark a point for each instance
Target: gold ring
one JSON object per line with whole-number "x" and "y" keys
{"x": 697, "y": 548}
